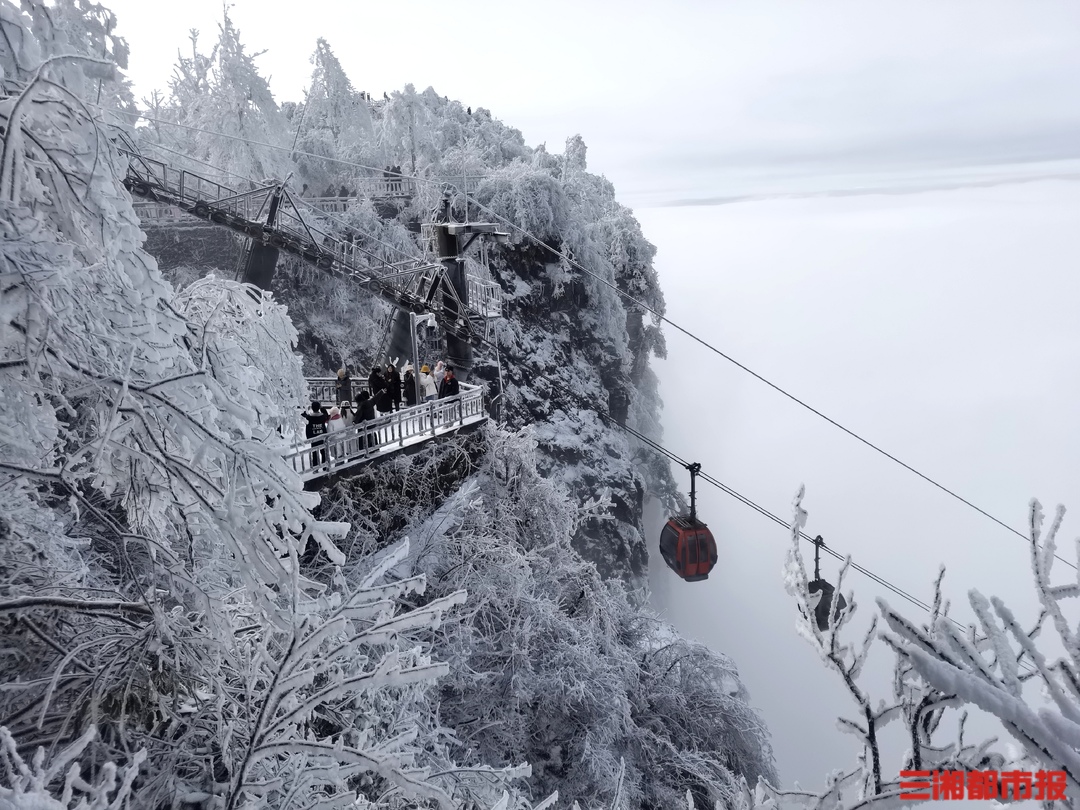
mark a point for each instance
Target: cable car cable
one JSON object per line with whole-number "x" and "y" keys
{"x": 903, "y": 594}
{"x": 642, "y": 305}
{"x": 663, "y": 451}
{"x": 757, "y": 376}
{"x": 763, "y": 511}
{"x": 895, "y": 589}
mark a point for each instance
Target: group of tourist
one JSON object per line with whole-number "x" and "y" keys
{"x": 387, "y": 389}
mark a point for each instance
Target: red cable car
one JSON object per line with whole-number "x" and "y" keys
{"x": 686, "y": 544}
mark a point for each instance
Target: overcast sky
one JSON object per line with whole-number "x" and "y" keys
{"x": 941, "y": 327}
{"x": 690, "y": 99}
{"x": 940, "y": 324}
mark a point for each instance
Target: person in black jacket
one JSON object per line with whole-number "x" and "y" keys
{"x": 383, "y": 403}
{"x": 409, "y": 382}
{"x": 450, "y": 386}
{"x": 393, "y": 384}
{"x": 316, "y": 428}
{"x": 344, "y": 385}
{"x": 365, "y": 412}
{"x": 376, "y": 383}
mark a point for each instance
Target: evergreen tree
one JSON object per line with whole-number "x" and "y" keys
{"x": 407, "y": 128}
{"x": 334, "y": 122}
{"x": 229, "y": 113}
{"x": 241, "y": 105}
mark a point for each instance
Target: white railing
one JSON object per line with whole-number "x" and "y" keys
{"x": 324, "y": 389}
{"x": 161, "y": 213}
{"x": 331, "y": 205}
{"x": 361, "y": 442}
{"x": 371, "y": 187}
{"x": 485, "y": 296}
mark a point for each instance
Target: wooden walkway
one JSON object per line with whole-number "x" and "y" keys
{"x": 359, "y": 444}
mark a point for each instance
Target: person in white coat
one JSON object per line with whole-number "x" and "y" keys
{"x": 334, "y": 426}
{"x": 428, "y": 388}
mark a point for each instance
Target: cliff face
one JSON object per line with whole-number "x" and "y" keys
{"x": 574, "y": 353}
{"x": 561, "y": 376}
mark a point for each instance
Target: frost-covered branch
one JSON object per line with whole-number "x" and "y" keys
{"x": 919, "y": 700}
{"x": 986, "y": 671}
{"x": 28, "y": 786}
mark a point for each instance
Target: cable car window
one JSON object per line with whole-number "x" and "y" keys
{"x": 668, "y": 541}
{"x": 692, "y": 550}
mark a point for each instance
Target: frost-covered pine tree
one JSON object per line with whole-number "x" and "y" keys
{"x": 223, "y": 93}
{"x": 334, "y": 122}
{"x": 406, "y": 130}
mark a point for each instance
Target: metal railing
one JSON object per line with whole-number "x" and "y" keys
{"x": 324, "y": 389}
{"x": 418, "y": 284}
{"x": 162, "y": 214}
{"x": 361, "y": 442}
{"x": 188, "y": 185}
{"x": 485, "y": 297}
{"x": 375, "y": 188}
{"x": 331, "y": 205}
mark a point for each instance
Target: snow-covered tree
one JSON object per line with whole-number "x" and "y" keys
{"x": 86, "y": 28}
{"x": 223, "y": 93}
{"x": 549, "y": 664}
{"x": 406, "y": 131}
{"x": 941, "y": 668}
{"x": 150, "y": 583}
{"x": 334, "y": 122}
{"x": 30, "y": 783}
{"x": 239, "y": 326}
{"x": 241, "y": 105}
{"x": 985, "y": 666}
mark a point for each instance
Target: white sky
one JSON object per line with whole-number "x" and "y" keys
{"x": 700, "y": 98}
{"x": 939, "y": 325}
